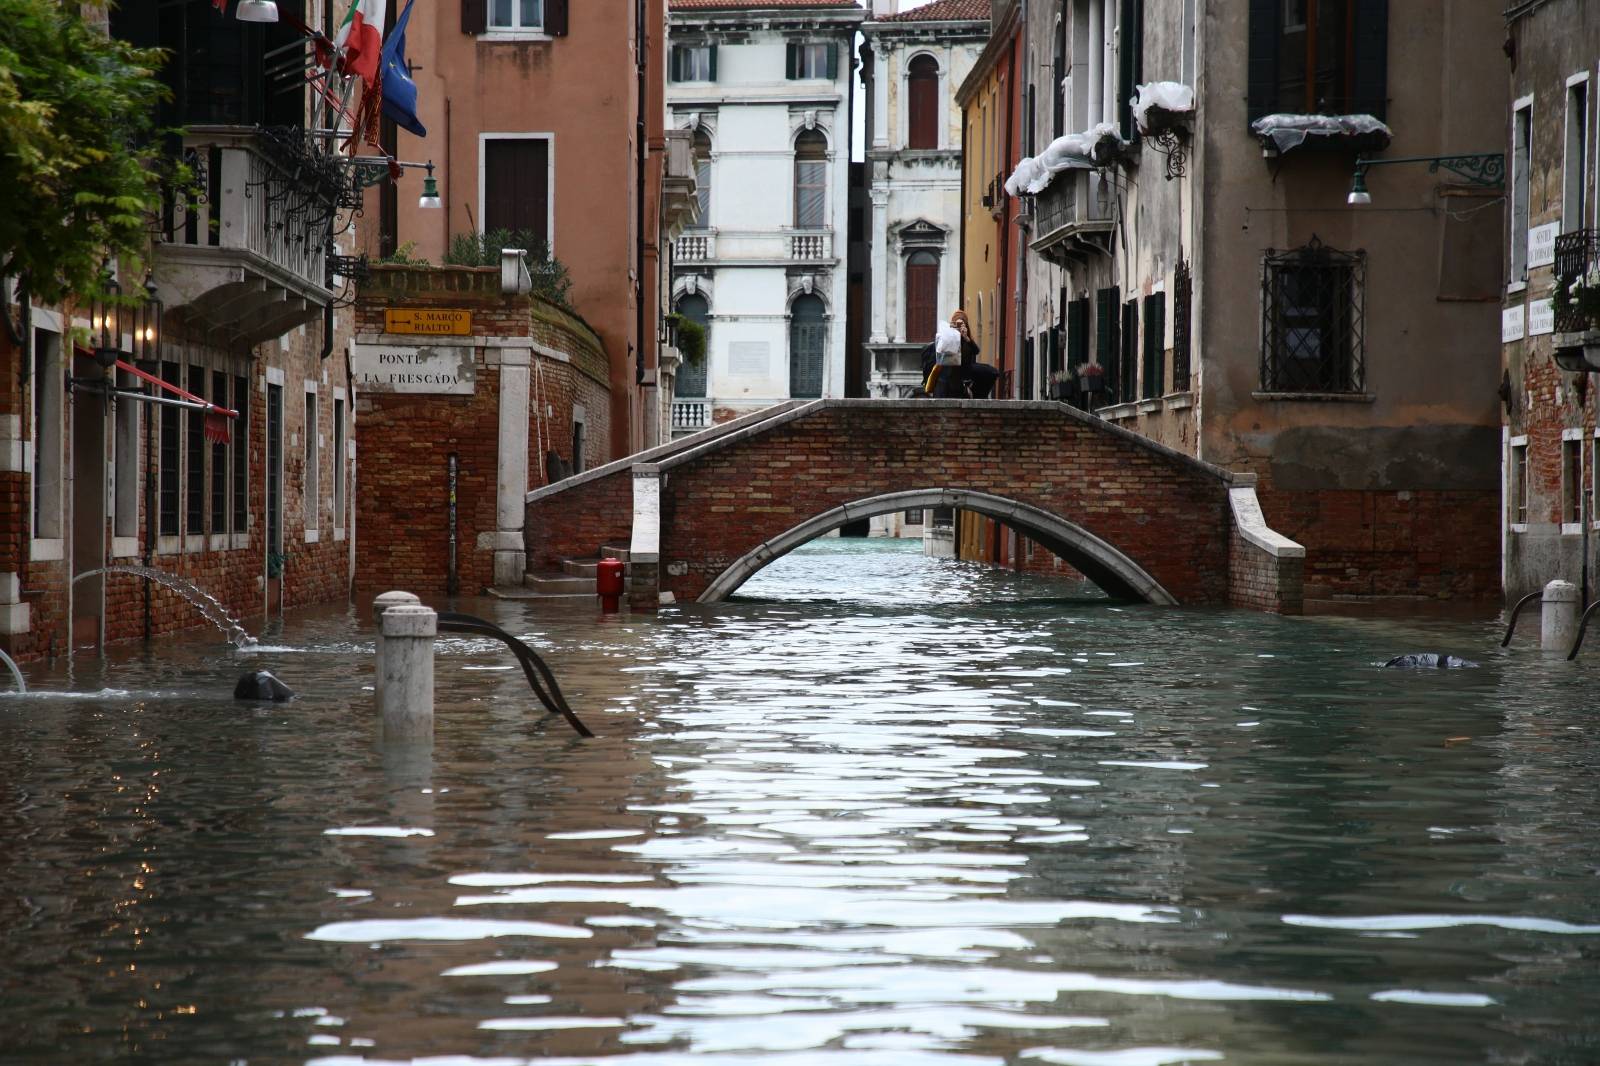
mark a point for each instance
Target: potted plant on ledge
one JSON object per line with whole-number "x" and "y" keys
{"x": 1063, "y": 386}
{"x": 1091, "y": 380}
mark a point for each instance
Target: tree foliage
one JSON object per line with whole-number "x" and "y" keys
{"x": 78, "y": 154}
{"x": 550, "y": 279}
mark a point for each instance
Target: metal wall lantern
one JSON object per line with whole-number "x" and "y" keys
{"x": 147, "y": 325}
{"x": 1483, "y": 169}
{"x": 107, "y": 322}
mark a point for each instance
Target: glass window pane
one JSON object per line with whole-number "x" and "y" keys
{"x": 532, "y": 13}
{"x": 500, "y": 13}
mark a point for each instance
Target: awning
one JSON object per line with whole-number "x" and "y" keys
{"x": 216, "y": 422}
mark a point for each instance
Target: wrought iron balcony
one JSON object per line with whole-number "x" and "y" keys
{"x": 1577, "y": 256}
{"x": 243, "y": 256}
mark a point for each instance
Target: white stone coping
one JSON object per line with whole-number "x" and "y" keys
{"x": 1252, "y": 524}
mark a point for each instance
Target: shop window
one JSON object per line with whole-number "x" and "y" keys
{"x": 1572, "y": 483}
{"x": 340, "y": 461}
{"x": 125, "y": 505}
{"x": 48, "y": 380}
{"x": 311, "y": 482}
{"x": 1312, "y": 321}
{"x": 169, "y": 489}
{"x": 1517, "y": 484}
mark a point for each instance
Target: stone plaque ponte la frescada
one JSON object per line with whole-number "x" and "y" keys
{"x": 446, "y": 369}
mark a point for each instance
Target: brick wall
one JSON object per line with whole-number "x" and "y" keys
{"x": 1168, "y": 515}
{"x": 229, "y": 564}
{"x": 407, "y": 439}
{"x": 1260, "y": 581}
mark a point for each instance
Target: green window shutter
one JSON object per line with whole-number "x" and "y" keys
{"x": 474, "y": 16}
{"x": 1077, "y": 334}
{"x": 1130, "y": 60}
{"x": 1155, "y": 326}
{"x": 1370, "y": 60}
{"x": 1264, "y": 35}
{"x": 1130, "y": 350}
{"x": 791, "y": 61}
{"x": 833, "y": 62}
{"x": 713, "y": 62}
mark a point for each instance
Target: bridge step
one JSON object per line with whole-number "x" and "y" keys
{"x": 614, "y": 551}
{"x": 580, "y": 567}
{"x": 559, "y": 584}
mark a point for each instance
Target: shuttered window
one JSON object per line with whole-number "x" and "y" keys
{"x": 516, "y": 14}
{"x": 811, "y": 60}
{"x": 1106, "y": 309}
{"x": 691, "y": 377}
{"x": 810, "y": 180}
{"x": 1155, "y": 332}
{"x": 1077, "y": 334}
{"x": 702, "y": 178}
{"x": 922, "y": 296}
{"x": 807, "y": 341}
{"x": 694, "y": 62}
{"x": 1129, "y": 374}
{"x": 516, "y": 186}
{"x": 923, "y": 109}
{"x": 1325, "y": 57}
{"x": 1130, "y": 64}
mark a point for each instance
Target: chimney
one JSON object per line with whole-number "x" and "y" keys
{"x": 880, "y": 8}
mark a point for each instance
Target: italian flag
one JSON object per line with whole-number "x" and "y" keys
{"x": 360, "y": 39}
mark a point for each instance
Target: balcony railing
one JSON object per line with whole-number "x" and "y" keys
{"x": 690, "y": 415}
{"x": 1077, "y": 201}
{"x": 1577, "y": 253}
{"x": 694, "y": 248}
{"x": 810, "y": 245}
{"x": 244, "y": 245}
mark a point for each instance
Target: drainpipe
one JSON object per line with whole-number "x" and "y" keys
{"x": 1024, "y": 221}
{"x": 641, "y": 33}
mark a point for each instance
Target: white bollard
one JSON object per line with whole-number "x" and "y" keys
{"x": 383, "y": 603}
{"x": 405, "y": 698}
{"x": 1558, "y": 616}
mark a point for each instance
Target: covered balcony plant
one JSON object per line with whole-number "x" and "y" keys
{"x": 1091, "y": 379}
{"x": 1063, "y": 386}
{"x": 1576, "y": 301}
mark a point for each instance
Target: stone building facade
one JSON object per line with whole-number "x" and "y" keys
{"x": 1550, "y": 323}
{"x": 1201, "y": 257}
{"x": 765, "y": 89}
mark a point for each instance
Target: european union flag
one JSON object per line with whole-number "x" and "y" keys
{"x": 399, "y": 91}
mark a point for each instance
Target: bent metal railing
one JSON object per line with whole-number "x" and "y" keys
{"x": 532, "y": 666}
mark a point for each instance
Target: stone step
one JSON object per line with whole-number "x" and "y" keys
{"x": 559, "y": 584}
{"x": 614, "y": 551}
{"x": 580, "y": 567}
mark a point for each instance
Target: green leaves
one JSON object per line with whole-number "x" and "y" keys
{"x": 79, "y": 163}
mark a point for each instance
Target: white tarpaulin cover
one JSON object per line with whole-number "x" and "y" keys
{"x": 1291, "y": 131}
{"x": 1167, "y": 95}
{"x": 947, "y": 343}
{"x": 1074, "y": 151}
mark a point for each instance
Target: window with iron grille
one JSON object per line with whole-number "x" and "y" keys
{"x": 1311, "y": 320}
{"x": 1182, "y": 298}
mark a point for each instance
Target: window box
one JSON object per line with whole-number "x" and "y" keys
{"x": 1280, "y": 133}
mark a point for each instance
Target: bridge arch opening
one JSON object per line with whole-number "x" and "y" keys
{"x": 1099, "y": 561}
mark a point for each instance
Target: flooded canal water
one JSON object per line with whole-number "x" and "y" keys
{"x": 880, "y": 811}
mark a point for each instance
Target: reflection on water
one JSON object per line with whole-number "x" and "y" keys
{"x": 879, "y": 810}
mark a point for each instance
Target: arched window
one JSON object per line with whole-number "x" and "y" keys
{"x": 810, "y": 180}
{"x": 922, "y": 296}
{"x": 807, "y": 336}
{"x": 924, "y": 103}
{"x": 702, "y": 177}
{"x": 691, "y": 378}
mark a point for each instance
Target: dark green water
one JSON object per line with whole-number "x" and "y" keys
{"x": 884, "y": 811}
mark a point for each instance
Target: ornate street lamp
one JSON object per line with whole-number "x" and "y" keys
{"x": 429, "y": 200}
{"x": 147, "y": 325}
{"x": 1486, "y": 169}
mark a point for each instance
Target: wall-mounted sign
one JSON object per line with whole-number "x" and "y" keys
{"x": 1541, "y": 317}
{"x": 1511, "y": 324}
{"x": 425, "y": 368}
{"x": 435, "y": 321}
{"x": 1542, "y": 244}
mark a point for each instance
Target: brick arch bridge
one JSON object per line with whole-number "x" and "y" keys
{"x": 704, "y": 513}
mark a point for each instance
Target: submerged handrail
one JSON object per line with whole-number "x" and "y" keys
{"x": 22, "y": 686}
{"x": 553, "y": 700}
{"x": 1583, "y": 623}
{"x": 1511, "y": 625}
